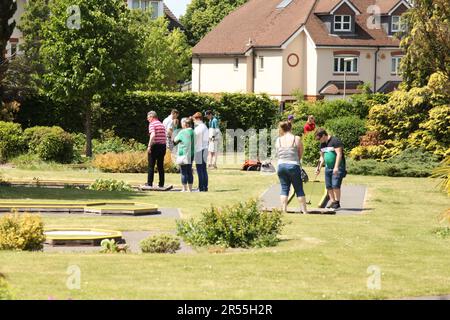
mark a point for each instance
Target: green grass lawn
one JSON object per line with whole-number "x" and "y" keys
{"x": 320, "y": 257}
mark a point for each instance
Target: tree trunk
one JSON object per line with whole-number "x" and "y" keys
{"x": 88, "y": 130}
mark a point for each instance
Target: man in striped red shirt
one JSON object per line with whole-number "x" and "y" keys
{"x": 156, "y": 148}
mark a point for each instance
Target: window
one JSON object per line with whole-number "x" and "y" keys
{"x": 155, "y": 8}
{"x": 13, "y": 50}
{"x": 395, "y": 65}
{"x": 342, "y": 23}
{"x": 340, "y": 64}
{"x": 147, "y": 5}
{"x": 236, "y": 64}
{"x": 397, "y": 24}
{"x": 261, "y": 63}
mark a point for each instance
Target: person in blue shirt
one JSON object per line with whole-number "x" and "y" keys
{"x": 214, "y": 138}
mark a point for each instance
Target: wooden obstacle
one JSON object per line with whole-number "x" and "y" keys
{"x": 80, "y": 237}
{"x": 101, "y": 208}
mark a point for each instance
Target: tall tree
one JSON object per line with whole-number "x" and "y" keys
{"x": 167, "y": 54}
{"x": 7, "y": 10}
{"x": 90, "y": 54}
{"x": 203, "y": 15}
{"x": 427, "y": 42}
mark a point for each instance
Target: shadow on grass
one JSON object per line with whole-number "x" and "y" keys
{"x": 65, "y": 194}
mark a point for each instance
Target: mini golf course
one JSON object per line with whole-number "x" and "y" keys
{"x": 80, "y": 237}
{"x": 101, "y": 208}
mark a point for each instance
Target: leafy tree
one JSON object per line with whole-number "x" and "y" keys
{"x": 203, "y": 15}
{"x": 427, "y": 43}
{"x": 89, "y": 57}
{"x": 167, "y": 56}
{"x": 7, "y": 10}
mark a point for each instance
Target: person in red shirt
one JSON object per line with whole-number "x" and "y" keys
{"x": 310, "y": 125}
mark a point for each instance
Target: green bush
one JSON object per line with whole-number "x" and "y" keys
{"x": 110, "y": 246}
{"x": 311, "y": 150}
{"x": 21, "y": 232}
{"x": 127, "y": 116}
{"x": 109, "y": 142}
{"x": 50, "y": 143}
{"x": 5, "y": 293}
{"x": 240, "y": 226}
{"x": 348, "y": 130}
{"x": 164, "y": 243}
{"x": 11, "y": 140}
{"x": 110, "y": 185}
{"x": 409, "y": 163}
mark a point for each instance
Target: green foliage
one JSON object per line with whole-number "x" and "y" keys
{"x": 311, "y": 150}
{"x": 127, "y": 114}
{"x": 164, "y": 243}
{"x": 203, "y": 15}
{"x": 409, "y": 163}
{"x": 347, "y": 129}
{"x": 86, "y": 65}
{"x": 240, "y": 226}
{"x": 21, "y": 232}
{"x": 110, "y": 246}
{"x": 427, "y": 42}
{"x": 7, "y": 10}
{"x": 109, "y": 142}
{"x": 443, "y": 172}
{"x": 5, "y": 293}
{"x": 418, "y": 118}
{"x": 110, "y": 185}
{"x": 11, "y": 140}
{"x": 167, "y": 54}
{"x": 50, "y": 143}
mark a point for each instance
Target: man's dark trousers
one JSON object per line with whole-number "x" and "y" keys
{"x": 156, "y": 156}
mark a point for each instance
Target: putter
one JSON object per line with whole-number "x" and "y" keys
{"x": 314, "y": 183}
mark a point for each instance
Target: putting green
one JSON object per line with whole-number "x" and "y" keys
{"x": 102, "y": 208}
{"x": 79, "y": 236}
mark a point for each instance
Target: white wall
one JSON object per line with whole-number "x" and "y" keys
{"x": 366, "y": 67}
{"x": 16, "y": 33}
{"x": 269, "y": 80}
{"x": 218, "y": 75}
{"x": 310, "y": 65}
{"x": 294, "y": 77}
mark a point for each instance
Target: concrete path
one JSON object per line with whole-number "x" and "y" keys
{"x": 132, "y": 239}
{"x": 352, "y": 199}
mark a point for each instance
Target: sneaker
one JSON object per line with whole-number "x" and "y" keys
{"x": 329, "y": 205}
{"x": 335, "y": 205}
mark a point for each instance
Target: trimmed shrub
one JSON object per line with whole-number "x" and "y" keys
{"x": 127, "y": 115}
{"x": 311, "y": 150}
{"x": 11, "y": 140}
{"x": 347, "y": 129}
{"x": 243, "y": 225}
{"x": 50, "y": 143}
{"x": 164, "y": 243}
{"x": 21, "y": 232}
{"x": 409, "y": 163}
{"x": 110, "y": 185}
{"x": 127, "y": 162}
{"x": 130, "y": 162}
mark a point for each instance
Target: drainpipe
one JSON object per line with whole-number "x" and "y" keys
{"x": 376, "y": 69}
{"x": 199, "y": 74}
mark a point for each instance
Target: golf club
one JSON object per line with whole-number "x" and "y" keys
{"x": 314, "y": 181}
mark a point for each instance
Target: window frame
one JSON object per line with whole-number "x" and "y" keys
{"x": 354, "y": 65}
{"x": 261, "y": 63}
{"x": 401, "y": 26}
{"x": 342, "y": 22}
{"x": 395, "y": 61}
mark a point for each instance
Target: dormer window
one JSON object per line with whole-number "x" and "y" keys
{"x": 397, "y": 24}
{"x": 147, "y": 5}
{"x": 342, "y": 23}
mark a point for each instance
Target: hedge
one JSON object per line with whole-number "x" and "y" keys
{"x": 127, "y": 115}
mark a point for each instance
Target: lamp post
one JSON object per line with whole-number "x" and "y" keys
{"x": 346, "y": 61}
